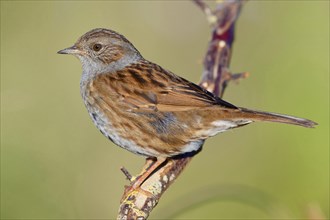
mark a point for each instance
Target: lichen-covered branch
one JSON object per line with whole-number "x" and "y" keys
{"x": 138, "y": 204}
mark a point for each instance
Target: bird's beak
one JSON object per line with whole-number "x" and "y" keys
{"x": 70, "y": 50}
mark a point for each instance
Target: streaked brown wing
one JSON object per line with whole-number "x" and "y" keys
{"x": 146, "y": 86}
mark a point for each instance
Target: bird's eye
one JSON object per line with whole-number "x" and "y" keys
{"x": 97, "y": 47}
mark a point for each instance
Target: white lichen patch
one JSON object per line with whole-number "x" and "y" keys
{"x": 140, "y": 201}
{"x": 165, "y": 179}
{"x": 155, "y": 188}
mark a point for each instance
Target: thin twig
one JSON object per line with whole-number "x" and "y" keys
{"x": 207, "y": 10}
{"x": 126, "y": 173}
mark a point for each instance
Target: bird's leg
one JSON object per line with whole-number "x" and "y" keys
{"x": 149, "y": 162}
{"x": 150, "y": 166}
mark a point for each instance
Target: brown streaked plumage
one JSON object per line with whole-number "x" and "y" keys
{"x": 148, "y": 110}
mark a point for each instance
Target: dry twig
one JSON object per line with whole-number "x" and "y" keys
{"x": 138, "y": 204}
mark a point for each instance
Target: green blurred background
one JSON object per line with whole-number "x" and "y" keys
{"x": 55, "y": 164}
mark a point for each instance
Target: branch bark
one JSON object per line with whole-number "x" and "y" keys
{"x": 138, "y": 204}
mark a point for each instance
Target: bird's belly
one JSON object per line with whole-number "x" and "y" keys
{"x": 114, "y": 134}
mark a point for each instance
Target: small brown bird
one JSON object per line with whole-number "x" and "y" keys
{"x": 148, "y": 110}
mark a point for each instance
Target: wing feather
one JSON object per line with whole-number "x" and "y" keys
{"x": 156, "y": 88}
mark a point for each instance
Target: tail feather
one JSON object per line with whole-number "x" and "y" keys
{"x": 275, "y": 117}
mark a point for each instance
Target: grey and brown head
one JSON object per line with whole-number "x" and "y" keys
{"x": 103, "y": 50}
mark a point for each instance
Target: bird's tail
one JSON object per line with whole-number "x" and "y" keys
{"x": 274, "y": 117}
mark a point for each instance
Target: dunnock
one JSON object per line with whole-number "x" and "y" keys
{"x": 148, "y": 110}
